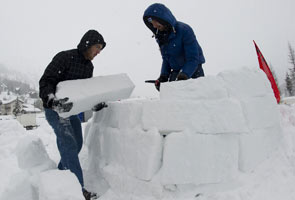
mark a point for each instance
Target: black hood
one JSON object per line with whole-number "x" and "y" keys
{"x": 90, "y": 38}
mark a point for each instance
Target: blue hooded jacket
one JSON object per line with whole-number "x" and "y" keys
{"x": 182, "y": 52}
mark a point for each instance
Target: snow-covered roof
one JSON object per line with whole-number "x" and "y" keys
{"x": 8, "y": 98}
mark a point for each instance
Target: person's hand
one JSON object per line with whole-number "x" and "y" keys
{"x": 157, "y": 84}
{"x": 182, "y": 76}
{"x": 160, "y": 80}
{"x": 99, "y": 106}
{"x": 49, "y": 100}
{"x": 61, "y": 105}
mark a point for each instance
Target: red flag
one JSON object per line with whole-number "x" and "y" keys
{"x": 263, "y": 65}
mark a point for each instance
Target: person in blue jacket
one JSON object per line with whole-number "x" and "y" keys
{"x": 181, "y": 53}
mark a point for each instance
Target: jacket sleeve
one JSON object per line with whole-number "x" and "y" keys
{"x": 192, "y": 50}
{"x": 52, "y": 75}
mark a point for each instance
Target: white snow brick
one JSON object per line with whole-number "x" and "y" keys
{"x": 245, "y": 83}
{"x": 204, "y": 88}
{"x": 210, "y": 117}
{"x": 198, "y": 158}
{"x": 261, "y": 112}
{"x": 257, "y": 146}
{"x": 138, "y": 151}
{"x": 31, "y": 154}
{"x": 98, "y": 89}
{"x": 122, "y": 183}
{"x": 121, "y": 114}
{"x": 57, "y": 185}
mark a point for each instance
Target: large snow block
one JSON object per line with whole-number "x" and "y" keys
{"x": 245, "y": 83}
{"x": 86, "y": 93}
{"x": 124, "y": 184}
{"x": 210, "y": 117}
{"x": 138, "y": 152}
{"x": 261, "y": 112}
{"x": 120, "y": 114}
{"x": 204, "y": 88}
{"x": 198, "y": 158}
{"x": 257, "y": 146}
{"x": 57, "y": 185}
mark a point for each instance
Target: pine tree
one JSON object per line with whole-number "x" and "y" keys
{"x": 17, "y": 109}
{"x": 289, "y": 85}
{"x": 292, "y": 62}
{"x": 275, "y": 77}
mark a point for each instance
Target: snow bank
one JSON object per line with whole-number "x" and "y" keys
{"x": 20, "y": 188}
{"x": 215, "y": 126}
{"x": 11, "y": 130}
{"x": 33, "y": 159}
{"x": 35, "y": 180}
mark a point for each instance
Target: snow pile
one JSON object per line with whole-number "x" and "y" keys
{"x": 37, "y": 179}
{"x": 214, "y": 127}
{"x": 10, "y": 132}
{"x": 31, "y": 155}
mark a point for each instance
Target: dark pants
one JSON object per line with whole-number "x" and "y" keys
{"x": 69, "y": 141}
{"x": 198, "y": 73}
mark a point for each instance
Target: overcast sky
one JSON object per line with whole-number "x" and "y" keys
{"x": 33, "y": 31}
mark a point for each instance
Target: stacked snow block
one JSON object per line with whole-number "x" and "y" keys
{"x": 253, "y": 90}
{"x": 206, "y": 117}
{"x": 214, "y": 126}
{"x": 198, "y": 158}
{"x": 123, "y": 142}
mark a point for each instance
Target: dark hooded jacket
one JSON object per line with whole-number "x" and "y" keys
{"x": 69, "y": 65}
{"x": 179, "y": 47}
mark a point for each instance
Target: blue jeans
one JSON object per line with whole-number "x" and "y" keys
{"x": 69, "y": 141}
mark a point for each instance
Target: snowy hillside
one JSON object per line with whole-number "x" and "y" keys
{"x": 15, "y": 75}
{"x": 225, "y": 139}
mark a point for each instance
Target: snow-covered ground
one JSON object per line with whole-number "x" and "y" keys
{"x": 125, "y": 156}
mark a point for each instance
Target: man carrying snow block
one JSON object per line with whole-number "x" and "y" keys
{"x": 181, "y": 53}
{"x": 69, "y": 65}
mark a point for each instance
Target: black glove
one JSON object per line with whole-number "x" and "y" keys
{"x": 49, "y": 100}
{"x": 61, "y": 105}
{"x": 99, "y": 106}
{"x": 182, "y": 76}
{"x": 160, "y": 80}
